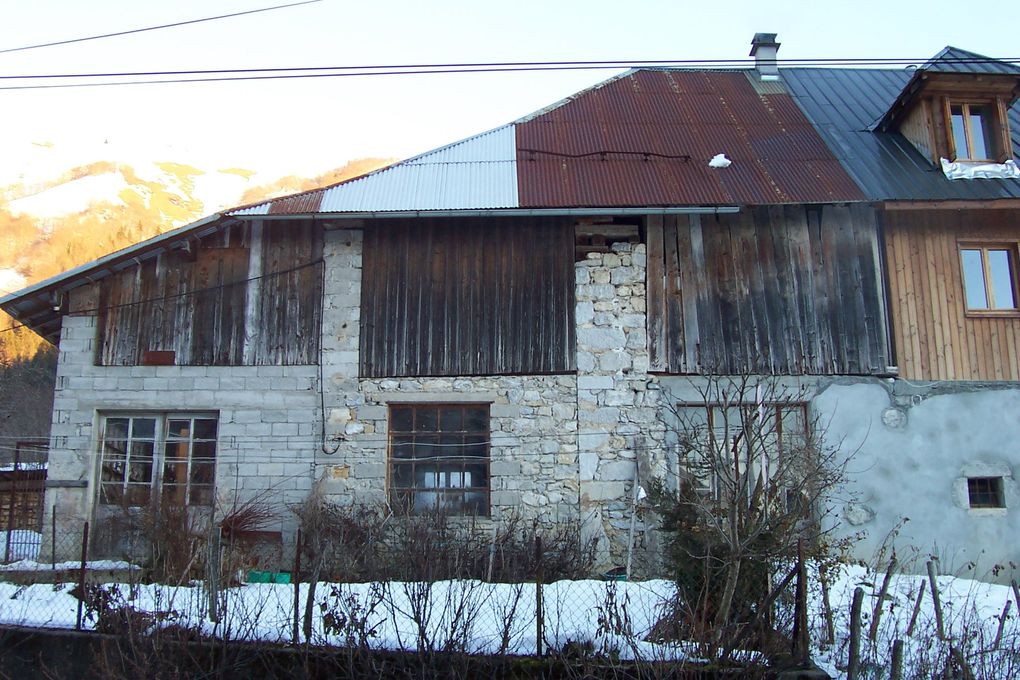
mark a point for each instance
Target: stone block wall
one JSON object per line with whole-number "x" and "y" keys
{"x": 619, "y": 429}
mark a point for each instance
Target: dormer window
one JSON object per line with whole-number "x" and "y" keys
{"x": 972, "y": 125}
{"x": 955, "y": 111}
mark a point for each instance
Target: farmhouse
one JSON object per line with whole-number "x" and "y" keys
{"x": 502, "y": 324}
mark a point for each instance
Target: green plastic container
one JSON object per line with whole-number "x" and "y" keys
{"x": 257, "y": 576}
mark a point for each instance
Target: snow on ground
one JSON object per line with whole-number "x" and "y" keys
{"x": 610, "y": 618}
{"x": 28, "y": 564}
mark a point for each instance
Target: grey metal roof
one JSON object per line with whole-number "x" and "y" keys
{"x": 844, "y": 104}
{"x": 955, "y": 60}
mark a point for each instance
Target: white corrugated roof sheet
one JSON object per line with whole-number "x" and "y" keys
{"x": 477, "y": 173}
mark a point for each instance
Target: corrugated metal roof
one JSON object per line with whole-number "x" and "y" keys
{"x": 844, "y": 105}
{"x": 645, "y": 139}
{"x": 476, "y": 173}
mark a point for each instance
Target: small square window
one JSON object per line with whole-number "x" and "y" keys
{"x": 985, "y": 492}
{"x": 989, "y": 277}
{"x": 439, "y": 458}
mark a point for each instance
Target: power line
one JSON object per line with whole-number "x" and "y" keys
{"x": 175, "y": 296}
{"x": 289, "y": 73}
{"x": 154, "y": 28}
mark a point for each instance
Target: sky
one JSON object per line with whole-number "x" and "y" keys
{"x": 306, "y": 126}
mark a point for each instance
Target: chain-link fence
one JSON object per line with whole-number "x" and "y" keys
{"x": 361, "y": 583}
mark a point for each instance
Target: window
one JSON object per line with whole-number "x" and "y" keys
{"x": 972, "y": 128}
{"x": 985, "y": 492}
{"x": 989, "y": 277}
{"x": 151, "y": 459}
{"x": 766, "y": 440}
{"x": 439, "y": 458}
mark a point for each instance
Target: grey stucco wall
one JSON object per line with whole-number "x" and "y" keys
{"x": 912, "y": 447}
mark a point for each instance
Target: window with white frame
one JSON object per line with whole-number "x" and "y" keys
{"x": 439, "y": 458}
{"x": 152, "y": 459}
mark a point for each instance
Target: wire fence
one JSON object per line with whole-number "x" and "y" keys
{"x": 361, "y": 584}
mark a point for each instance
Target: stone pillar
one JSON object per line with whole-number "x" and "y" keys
{"x": 350, "y": 461}
{"x": 618, "y": 426}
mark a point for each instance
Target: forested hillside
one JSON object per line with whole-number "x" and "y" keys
{"x": 50, "y": 226}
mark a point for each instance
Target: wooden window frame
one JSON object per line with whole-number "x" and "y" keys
{"x": 110, "y": 493}
{"x": 402, "y": 457}
{"x": 1011, "y": 247}
{"x": 997, "y": 122}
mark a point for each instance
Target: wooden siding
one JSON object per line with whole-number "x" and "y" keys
{"x": 936, "y": 339}
{"x": 219, "y": 305}
{"x": 467, "y": 297}
{"x": 779, "y": 290}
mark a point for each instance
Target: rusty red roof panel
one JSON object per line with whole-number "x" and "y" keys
{"x": 297, "y": 204}
{"x": 645, "y": 139}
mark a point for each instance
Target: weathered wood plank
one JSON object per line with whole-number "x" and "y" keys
{"x": 474, "y": 297}
{"x": 655, "y": 297}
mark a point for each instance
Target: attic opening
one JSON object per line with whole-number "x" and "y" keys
{"x": 598, "y": 234}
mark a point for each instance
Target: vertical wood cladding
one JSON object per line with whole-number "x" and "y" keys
{"x": 781, "y": 289}
{"x": 936, "y": 338}
{"x": 467, "y": 297}
{"x": 196, "y": 304}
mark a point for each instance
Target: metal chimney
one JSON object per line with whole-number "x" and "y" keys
{"x": 764, "y": 49}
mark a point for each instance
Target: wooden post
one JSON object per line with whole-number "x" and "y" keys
{"x": 801, "y": 636}
{"x": 897, "y": 661}
{"x": 876, "y": 615}
{"x": 1002, "y": 624}
{"x": 935, "y": 599}
{"x": 213, "y": 573}
{"x": 539, "y": 614}
{"x": 295, "y": 635}
{"x": 917, "y": 608}
{"x": 81, "y": 573}
{"x": 1016, "y": 593}
{"x": 853, "y": 666}
{"x": 53, "y": 538}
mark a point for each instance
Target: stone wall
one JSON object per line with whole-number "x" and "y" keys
{"x": 619, "y": 430}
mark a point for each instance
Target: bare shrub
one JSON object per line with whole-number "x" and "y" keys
{"x": 752, "y": 478}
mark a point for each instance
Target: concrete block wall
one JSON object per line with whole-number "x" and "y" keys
{"x": 268, "y": 426}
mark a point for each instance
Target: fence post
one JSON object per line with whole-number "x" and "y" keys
{"x": 897, "y": 661}
{"x": 853, "y": 665}
{"x": 917, "y": 609}
{"x": 53, "y": 538}
{"x": 876, "y": 615}
{"x": 81, "y": 573}
{"x": 801, "y": 635}
{"x": 935, "y": 598}
{"x": 297, "y": 589}
{"x": 539, "y": 613}
{"x": 213, "y": 573}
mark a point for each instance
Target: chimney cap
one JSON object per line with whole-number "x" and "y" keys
{"x": 763, "y": 40}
